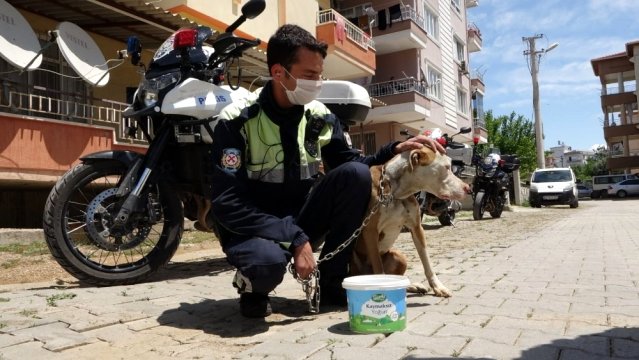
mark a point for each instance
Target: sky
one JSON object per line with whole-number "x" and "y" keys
{"x": 569, "y": 91}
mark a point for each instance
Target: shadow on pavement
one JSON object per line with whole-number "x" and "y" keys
{"x": 617, "y": 343}
{"x": 185, "y": 270}
{"x": 223, "y": 318}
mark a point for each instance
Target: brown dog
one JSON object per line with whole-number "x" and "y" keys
{"x": 402, "y": 177}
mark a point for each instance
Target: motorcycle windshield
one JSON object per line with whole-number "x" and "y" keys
{"x": 488, "y": 169}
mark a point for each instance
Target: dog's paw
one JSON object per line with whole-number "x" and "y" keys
{"x": 416, "y": 288}
{"x": 442, "y": 291}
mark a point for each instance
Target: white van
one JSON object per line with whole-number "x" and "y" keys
{"x": 553, "y": 186}
{"x": 600, "y": 183}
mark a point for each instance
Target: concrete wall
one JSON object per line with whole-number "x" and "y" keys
{"x": 225, "y": 12}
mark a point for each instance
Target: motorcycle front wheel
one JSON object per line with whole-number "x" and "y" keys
{"x": 479, "y": 206}
{"x": 499, "y": 208}
{"x": 78, "y": 220}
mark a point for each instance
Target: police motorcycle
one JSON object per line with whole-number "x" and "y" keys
{"x": 460, "y": 156}
{"x": 492, "y": 182}
{"x": 118, "y": 216}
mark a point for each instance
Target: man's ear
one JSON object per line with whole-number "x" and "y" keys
{"x": 277, "y": 71}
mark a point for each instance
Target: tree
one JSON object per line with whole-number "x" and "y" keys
{"x": 514, "y": 135}
{"x": 595, "y": 165}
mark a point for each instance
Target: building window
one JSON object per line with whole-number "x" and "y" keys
{"x": 459, "y": 50}
{"x": 434, "y": 83}
{"x": 365, "y": 144}
{"x": 462, "y": 101}
{"x": 456, "y": 4}
{"x": 431, "y": 22}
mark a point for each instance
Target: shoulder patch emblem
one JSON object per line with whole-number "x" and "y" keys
{"x": 231, "y": 159}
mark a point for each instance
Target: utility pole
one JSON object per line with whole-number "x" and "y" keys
{"x": 535, "y": 55}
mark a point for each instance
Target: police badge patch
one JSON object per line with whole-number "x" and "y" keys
{"x": 231, "y": 159}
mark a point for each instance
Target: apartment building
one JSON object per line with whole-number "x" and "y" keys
{"x": 618, "y": 74}
{"x": 411, "y": 55}
{"x": 422, "y": 78}
{"x": 563, "y": 155}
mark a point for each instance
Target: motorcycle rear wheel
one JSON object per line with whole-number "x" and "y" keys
{"x": 77, "y": 219}
{"x": 479, "y": 206}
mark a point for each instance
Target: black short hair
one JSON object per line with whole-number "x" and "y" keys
{"x": 283, "y": 45}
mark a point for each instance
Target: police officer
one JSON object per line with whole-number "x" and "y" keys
{"x": 267, "y": 154}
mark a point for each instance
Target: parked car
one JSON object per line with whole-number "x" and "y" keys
{"x": 600, "y": 183}
{"x": 553, "y": 186}
{"x": 624, "y": 188}
{"x": 583, "y": 191}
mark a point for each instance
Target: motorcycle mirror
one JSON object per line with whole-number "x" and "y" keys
{"x": 134, "y": 49}
{"x": 250, "y": 10}
{"x": 253, "y": 8}
{"x": 464, "y": 130}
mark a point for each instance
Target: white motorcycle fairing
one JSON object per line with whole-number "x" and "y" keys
{"x": 200, "y": 99}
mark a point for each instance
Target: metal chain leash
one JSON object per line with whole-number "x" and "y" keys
{"x": 312, "y": 291}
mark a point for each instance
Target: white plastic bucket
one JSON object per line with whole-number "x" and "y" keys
{"x": 376, "y": 303}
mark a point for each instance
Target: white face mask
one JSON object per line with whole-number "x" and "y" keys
{"x": 305, "y": 90}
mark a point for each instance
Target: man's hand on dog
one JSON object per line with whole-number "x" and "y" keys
{"x": 303, "y": 260}
{"x": 417, "y": 142}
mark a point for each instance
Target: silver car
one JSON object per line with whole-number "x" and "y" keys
{"x": 583, "y": 191}
{"x": 624, "y": 188}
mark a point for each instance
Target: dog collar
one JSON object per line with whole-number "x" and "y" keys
{"x": 384, "y": 196}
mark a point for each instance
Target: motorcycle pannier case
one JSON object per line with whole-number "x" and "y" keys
{"x": 348, "y": 101}
{"x": 511, "y": 163}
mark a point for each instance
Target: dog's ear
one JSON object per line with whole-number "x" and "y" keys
{"x": 420, "y": 157}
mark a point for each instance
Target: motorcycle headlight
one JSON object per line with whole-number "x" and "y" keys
{"x": 150, "y": 88}
{"x": 150, "y": 97}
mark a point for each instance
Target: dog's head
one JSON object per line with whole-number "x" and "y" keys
{"x": 425, "y": 169}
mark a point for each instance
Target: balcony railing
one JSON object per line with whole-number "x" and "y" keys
{"x": 399, "y": 86}
{"x": 354, "y": 33}
{"x": 410, "y": 13}
{"x": 479, "y": 123}
{"x": 631, "y": 87}
{"x": 100, "y": 112}
{"x": 472, "y": 27}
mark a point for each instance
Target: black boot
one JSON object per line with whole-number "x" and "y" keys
{"x": 255, "y": 305}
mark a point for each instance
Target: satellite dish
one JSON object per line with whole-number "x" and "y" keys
{"x": 19, "y": 44}
{"x": 82, "y": 53}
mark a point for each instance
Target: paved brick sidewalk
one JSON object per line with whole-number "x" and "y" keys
{"x": 570, "y": 291}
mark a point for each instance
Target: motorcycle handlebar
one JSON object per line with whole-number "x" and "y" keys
{"x": 455, "y": 145}
{"x": 230, "y": 46}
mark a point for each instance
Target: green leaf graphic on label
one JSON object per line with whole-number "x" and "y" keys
{"x": 378, "y": 297}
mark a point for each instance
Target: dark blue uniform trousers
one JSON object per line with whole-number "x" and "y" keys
{"x": 333, "y": 211}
